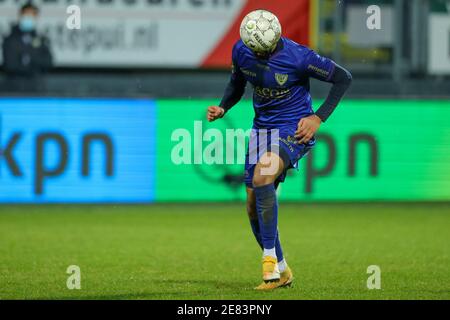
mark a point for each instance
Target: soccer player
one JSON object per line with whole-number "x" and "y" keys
{"x": 279, "y": 70}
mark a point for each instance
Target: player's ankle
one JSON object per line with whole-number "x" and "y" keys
{"x": 282, "y": 265}
{"x": 270, "y": 253}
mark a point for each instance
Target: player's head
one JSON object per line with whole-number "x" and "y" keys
{"x": 28, "y": 15}
{"x": 260, "y": 31}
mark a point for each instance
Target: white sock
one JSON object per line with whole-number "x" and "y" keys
{"x": 282, "y": 265}
{"x": 270, "y": 253}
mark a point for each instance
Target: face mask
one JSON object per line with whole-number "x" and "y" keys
{"x": 27, "y": 23}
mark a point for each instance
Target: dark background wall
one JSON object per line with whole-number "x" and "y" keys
{"x": 207, "y": 84}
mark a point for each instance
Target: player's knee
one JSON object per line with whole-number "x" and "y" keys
{"x": 260, "y": 180}
{"x": 267, "y": 170}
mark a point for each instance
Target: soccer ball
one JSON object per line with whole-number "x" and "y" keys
{"x": 260, "y": 31}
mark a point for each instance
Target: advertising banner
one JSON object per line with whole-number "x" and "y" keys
{"x": 368, "y": 150}
{"x": 133, "y": 151}
{"x": 149, "y": 33}
{"x": 69, "y": 150}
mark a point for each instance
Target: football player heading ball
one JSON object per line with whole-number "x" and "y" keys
{"x": 279, "y": 70}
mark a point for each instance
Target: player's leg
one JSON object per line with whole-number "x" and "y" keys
{"x": 270, "y": 170}
{"x": 266, "y": 172}
{"x": 253, "y": 216}
{"x": 286, "y": 276}
{"x": 254, "y": 222}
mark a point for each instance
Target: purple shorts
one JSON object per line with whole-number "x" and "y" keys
{"x": 280, "y": 141}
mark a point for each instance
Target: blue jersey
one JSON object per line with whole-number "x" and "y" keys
{"x": 281, "y": 83}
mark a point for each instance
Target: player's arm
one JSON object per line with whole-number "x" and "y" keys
{"x": 233, "y": 94}
{"x": 341, "y": 80}
{"x": 325, "y": 70}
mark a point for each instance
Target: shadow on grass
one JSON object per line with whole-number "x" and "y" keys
{"x": 212, "y": 289}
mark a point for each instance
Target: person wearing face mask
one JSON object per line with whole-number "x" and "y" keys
{"x": 26, "y": 54}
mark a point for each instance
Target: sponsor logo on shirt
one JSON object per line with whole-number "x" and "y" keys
{"x": 319, "y": 71}
{"x": 272, "y": 93}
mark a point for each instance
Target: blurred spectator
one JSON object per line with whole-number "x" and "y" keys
{"x": 26, "y": 54}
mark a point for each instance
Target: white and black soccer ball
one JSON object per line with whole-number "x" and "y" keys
{"x": 260, "y": 31}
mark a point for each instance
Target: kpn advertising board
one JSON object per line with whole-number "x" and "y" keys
{"x": 367, "y": 150}
{"x": 69, "y": 150}
{"x": 142, "y": 151}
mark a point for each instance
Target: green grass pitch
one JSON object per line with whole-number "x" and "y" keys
{"x": 189, "y": 251}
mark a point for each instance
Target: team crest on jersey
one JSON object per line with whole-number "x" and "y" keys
{"x": 281, "y": 78}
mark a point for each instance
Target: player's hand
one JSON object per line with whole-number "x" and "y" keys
{"x": 214, "y": 113}
{"x": 307, "y": 128}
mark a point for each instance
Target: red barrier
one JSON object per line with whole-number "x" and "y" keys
{"x": 294, "y": 16}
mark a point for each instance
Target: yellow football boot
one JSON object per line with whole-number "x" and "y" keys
{"x": 286, "y": 278}
{"x": 270, "y": 269}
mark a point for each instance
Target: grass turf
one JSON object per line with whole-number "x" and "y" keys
{"x": 207, "y": 251}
